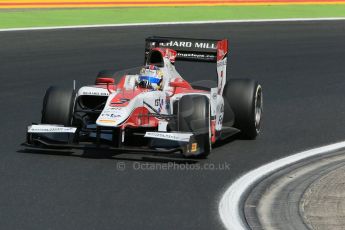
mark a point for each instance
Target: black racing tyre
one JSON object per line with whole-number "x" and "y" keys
{"x": 244, "y": 96}
{"x": 117, "y": 76}
{"x": 194, "y": 116}
{"x": 105, "y": 73}
{"x": 58, "y": 106}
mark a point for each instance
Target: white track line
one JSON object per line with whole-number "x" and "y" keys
{"x": 230, "y": 204}
{"x": 174, "y": 23}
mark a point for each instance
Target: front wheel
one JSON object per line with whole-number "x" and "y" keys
{"x": 58, "y": 106}
{"x": 245, "y": 98}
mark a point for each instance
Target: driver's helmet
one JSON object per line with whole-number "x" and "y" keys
{"x": 150, "y": 77}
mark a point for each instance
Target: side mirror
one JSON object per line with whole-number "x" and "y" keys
{"x": 104, "y": 80}
{"x": 182, "y": 84}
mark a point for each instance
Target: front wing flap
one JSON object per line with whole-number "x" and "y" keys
{"x": 61, "y": 137}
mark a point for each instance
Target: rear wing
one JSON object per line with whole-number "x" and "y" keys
{"x": 198, "y": 50}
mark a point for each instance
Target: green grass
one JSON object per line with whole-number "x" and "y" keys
{"x": 64, "y": 17}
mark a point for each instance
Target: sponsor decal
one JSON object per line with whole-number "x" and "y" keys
{"x": 167, "y": 104}
{"x": 220, "y": 120}
{"x": 178, "y": 44}
{"x": 93, "y": 93}
{"x": 159, "y": 103}
{"x": 205, "y": 45}
{"x": 110, "y": 115}
{"x": 185, "y": 44}
{"x": 196, "y": 56}
{"x": 194, "y": 147}
{"x": 183, "y": 137}
{"x": 107, "y": 121}
{"x": 50, "y": 129}
{"x": 115, "y": 108}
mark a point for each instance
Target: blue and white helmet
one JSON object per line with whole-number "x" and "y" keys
{"x": 150, "y": 77}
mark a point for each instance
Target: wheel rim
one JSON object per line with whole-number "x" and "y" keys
{"x": 258, "y": 107}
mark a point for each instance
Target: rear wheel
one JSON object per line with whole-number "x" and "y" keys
{"x": 58, "y": 106}
{"x": 244, "y": 97}
{"x": 194, "y": 116}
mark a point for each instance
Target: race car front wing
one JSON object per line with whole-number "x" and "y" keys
{"x": 42, "y": 136}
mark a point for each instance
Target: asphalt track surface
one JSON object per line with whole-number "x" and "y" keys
{"x": 301, "y": 66}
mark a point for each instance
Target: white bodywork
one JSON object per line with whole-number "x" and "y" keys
{"x": 114, "y": 116}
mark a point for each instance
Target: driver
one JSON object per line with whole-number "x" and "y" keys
{"x": 150, "y": 77}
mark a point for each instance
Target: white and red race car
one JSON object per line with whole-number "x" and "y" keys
{"x": 152, "y": 108}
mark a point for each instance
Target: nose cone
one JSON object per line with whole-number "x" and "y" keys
{"x": 113, "y": 116}
{"x": 119, "y": 108}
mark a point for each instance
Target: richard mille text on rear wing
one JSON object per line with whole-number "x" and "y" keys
{"x": 151, "y": 108}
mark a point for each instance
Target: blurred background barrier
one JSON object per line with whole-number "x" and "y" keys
{"x": 8, "y": 4}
